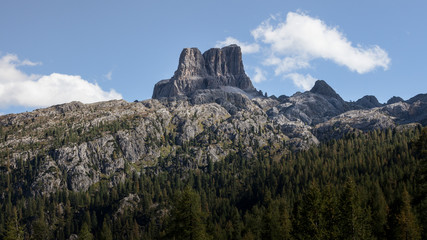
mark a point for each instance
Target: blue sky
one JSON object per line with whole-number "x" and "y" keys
{"x": 58, "y": 51}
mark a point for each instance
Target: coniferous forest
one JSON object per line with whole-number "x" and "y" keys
{"x": 363, "y": 186}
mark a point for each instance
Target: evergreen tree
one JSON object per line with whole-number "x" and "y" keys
{"x": 407, "y": 226}
{"x": 285, "y": 224}
{"x": 85, "y": 233}
{"x": 308, "y": 219}
{"x": 379, "y": 212}
{"x": 354, "y": 220}
{"x": 40, "y": 228}
{"x": 187, "y": 220}
{"x": 106, "y": 233}
{"x": 330, "y": 214}
{"x": 14, "y": 231}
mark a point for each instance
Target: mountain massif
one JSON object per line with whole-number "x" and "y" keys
{"x": 208, "y": 111}
{"x": 209, "y": 100}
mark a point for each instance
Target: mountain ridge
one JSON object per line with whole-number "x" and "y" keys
{"x": 214, "y": 111}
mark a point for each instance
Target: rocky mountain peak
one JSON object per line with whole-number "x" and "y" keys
{"x": 224, "y": 61}
{"x": 395, "y": 99}
{"x": 322, "y": 88}
{"x": 368, "y": 101}
{"x": 191, "y": 64}
{"x": 214, "y": 69}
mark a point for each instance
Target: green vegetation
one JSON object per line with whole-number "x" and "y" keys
{"x": 366, "y": 186}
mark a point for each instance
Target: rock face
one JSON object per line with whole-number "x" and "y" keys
{"x": 317, "y": 105}
{"x": 214, "y": 69}
{"x": 368, "y": 101}
{"x": 395, "y": 99}
{"x": 322, "y": 88}
{"x": 418, "y": 98}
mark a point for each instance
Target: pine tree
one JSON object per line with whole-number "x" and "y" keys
{"x": 379, "y": 212}
{"x": 14, "y": 231}
{"x": 407, "y": 226}
{"x": 354, "y": 220}
{"x": 285, "y": 224}
{"x": 330, "y": 214}
{"x": 187, "y": 220}
{"x": 106, "y": 233}
{"x": 40, "y": 228}
{"x": 308, "y": 219}
{"x": 85, "y": 233}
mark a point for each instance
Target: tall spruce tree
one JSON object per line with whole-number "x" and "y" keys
{"x": 354, "y": 220}
{"x": 187, "y": 220}
{"x": 309, "y": 219}
{"x": 379, "y": 212}
{"x": 85, "y": 233}
{"x": 40, "y": 228}
{"x": 106, "y": 233}
{"x": 14, "y": 231}
{"x": 407, "y": 226}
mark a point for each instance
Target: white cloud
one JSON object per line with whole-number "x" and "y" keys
{"x": 302, "y": 38}
{"x": 246, "y": 47}
{"x": 259, "y": 75}
{"x": 27, "y": 62}
{"x": 290, "y": 45}
{"x": 286, "y": 64}
{"x": 109, "y": 75}
{"x": 305, "y": 82}
{"x": 20, "y": 89}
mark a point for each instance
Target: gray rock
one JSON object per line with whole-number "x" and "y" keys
{"x": 212, "y": 70}
{"x": 419, "y": 97}
{"x": 322, "y": 88}
{"x": 313, "y": 107}
{"x": 353, "y": 121}
{"x": 368, "y": 101}
{"x": 129, "y": 203}
{"x": 395, "y": 99}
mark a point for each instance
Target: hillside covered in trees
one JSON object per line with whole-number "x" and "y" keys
{"x": 362, "y": 186}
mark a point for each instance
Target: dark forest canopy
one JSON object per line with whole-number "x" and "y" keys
{"x": 363, "y": 186}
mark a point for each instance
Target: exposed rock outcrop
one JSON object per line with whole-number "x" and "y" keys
{"x": 317, "y": 105}
{"x": 418, "y": 97}
{"x": 368, "y": 101}
{"x": 215, "y": 69}
{"x": 395, "y": 99}
{"x": 322, "y": 88}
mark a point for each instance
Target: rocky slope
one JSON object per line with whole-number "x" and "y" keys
{"x": 207, "y": 110}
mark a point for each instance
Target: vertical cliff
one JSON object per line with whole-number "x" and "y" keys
{"x": 216, "y": 68}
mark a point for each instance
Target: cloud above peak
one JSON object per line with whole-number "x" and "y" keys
{"x": 30, "y": 90}
{"x": 305, "y": 38}
{"x": 246, "y": 47}
{"x": 290, "y": 45}
{"x": 305, "y": 82}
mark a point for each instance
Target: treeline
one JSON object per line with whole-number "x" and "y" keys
{"x": 363, "y": 186}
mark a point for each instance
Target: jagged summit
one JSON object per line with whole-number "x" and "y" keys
{"x": 368, "y": 101}
{"x": 322, "y": 88}
{"x": 419, "y": 97}
{"x": 214, "y": 69}
{"x": 395, "y": 99}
